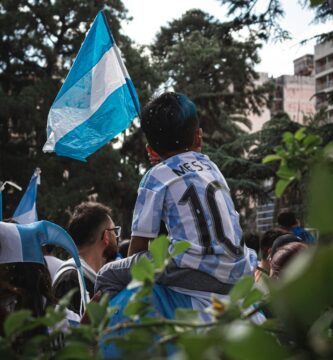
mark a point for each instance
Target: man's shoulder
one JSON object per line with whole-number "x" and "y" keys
{"x": 66, "y": 275}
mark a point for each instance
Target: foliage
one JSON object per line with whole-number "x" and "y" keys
{"x": 321, "y": 194}
{"x": 202, "y": 57}
{"x": 39, "y": 40}
{"x": 299, "y": 152}
{"x": 263, "y": 17}
{"x": 300, "y": 303}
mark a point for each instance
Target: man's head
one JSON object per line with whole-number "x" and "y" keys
{"x": 170, "y": 123}
{"x": 287, "y": 219}
{"x": 91, "y": 225}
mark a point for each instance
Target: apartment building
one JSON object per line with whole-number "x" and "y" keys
{"x": 323, "y": 59}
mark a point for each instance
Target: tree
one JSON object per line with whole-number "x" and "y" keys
{"x": 201, "y": 57}
{"x": 262, "y": 17}
{"x": 39, "y": 40}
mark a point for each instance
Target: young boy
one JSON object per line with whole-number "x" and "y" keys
{"x": 189, "y": 194}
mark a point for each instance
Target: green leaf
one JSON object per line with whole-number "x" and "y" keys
{"x": 305, "y": 278}
{"x": 189, "y": 315}
{"x": 159, "y": 250}
{"x": 197, "y": 346}
{"x": 96, "y": 313}
{"x": 312, "y": 140}
{"x": 241, "y": 288}
{"x": 281, "y": 186}
{"x": 285, "y": 172}
{"x": 272, "y": 157}
{"x": 135, "y": 307}
{"x": 15, "y": 321}
{"x": 300, "y": 134}
{"x": 321, "y": 198}
{"x": 314, "y": 3}
{"x": 143, "y": 270}
{"x": 288, "y": 137}
{"x": 245, "y": 341}
{"x": 253, "y": 297}
{"x": 74, "y": 350}
{"x": 179, "y": 247}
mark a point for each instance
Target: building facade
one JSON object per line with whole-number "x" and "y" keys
{"x": 324, "y": 77}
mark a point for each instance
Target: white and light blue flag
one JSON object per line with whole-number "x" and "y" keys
{"x": 26, "y": 211}
{"x": 97, "y": 100}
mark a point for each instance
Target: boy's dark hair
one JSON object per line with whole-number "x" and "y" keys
{"x": 287, "y": 219}
{"x": 267, "y": 240}
{"x": 86, "y": 221}
{"x": 169, "y": 122}
{"x": 252, "y": 241}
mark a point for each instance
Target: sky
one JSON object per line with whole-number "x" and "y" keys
{"x": 276, "y": 59}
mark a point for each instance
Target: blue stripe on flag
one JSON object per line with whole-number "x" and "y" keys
{"x": 97, "y": 96}
{"x": 106, "y": 123}
{"x": 97, "y": 42}
{"x": 28, "y": 203}
{"x": 31, "y": 247}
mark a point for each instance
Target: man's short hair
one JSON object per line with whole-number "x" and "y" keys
{"x": 287, "y": 219}
{"x": 169, "y": 122}
{"x": 87, "y": 218}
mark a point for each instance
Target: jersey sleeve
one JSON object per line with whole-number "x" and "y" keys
{"x": 148, "y": 213}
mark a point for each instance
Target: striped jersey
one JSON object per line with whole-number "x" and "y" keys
{"x": 190, "y": 195}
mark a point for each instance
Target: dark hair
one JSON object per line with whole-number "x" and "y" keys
{"x": 25, "y": 286}
{"x": 283, "y": 240}
{"x": 251, "y": 241}
{"x": 84, "y": 226}
{"x": 283, "y": 255}
{"x": 287, "y": 219}
{"x": 267, "y": 241}
{"x": 169, "y": 122}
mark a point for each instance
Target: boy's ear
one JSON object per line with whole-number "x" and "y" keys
{"x": 197, "y": 144}
{"x": 151, "y": 151}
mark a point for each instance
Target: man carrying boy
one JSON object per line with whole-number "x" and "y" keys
{"x": 189, "y": 194}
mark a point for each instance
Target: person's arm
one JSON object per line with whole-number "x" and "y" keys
{"x": 138, "y": 244}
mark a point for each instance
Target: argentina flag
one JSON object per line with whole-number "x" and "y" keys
{"x": 97, "y": 100}
{"x": 26, "y": 212}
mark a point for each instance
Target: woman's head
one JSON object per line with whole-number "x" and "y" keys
{"x": 283, "y": 255}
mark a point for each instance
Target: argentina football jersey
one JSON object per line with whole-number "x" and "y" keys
{"x": 190, "y": 195}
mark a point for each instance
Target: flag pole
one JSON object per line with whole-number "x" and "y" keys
{"x": 121, "y": 63}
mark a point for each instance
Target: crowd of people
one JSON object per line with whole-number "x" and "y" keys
{"x": 186, "y": 192}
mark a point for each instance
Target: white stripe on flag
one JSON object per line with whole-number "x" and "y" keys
{"x": 106, "y": 77}
{"x": 11, "y": 245}
{"x": 28, "y": 217}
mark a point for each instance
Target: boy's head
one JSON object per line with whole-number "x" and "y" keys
{"x": 170, "y": 123}
{"x": 287, "y": 219}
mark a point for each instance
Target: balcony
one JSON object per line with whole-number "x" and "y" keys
{"x": 323, "y": 67}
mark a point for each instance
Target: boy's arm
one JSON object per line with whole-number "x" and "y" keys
{"x": 138, "y": 244}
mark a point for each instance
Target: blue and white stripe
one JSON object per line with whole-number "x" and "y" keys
{"x": 26, "y": 211}
{"x": 159, "y": 200}
{"x": 97, "y": 100}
